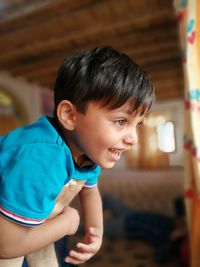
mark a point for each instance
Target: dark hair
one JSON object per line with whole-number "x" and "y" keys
{"x": 105, "y": 75}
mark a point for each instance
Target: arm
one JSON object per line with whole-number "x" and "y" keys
{"x": 17, "y": 240}
{"x": 92, "y": 208}
{"x": 93, "y": 220}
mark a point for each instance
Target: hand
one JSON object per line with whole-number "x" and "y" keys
{"x": 87, "y": 248}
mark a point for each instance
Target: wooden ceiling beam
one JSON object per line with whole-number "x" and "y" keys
{"x": 74, "y": 28}
{"x": 37, "y": 50}
{"x": 34, "y": 44}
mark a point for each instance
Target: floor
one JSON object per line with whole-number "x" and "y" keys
{"x": 149, "y": 192}
{"x": 127, "y": 253}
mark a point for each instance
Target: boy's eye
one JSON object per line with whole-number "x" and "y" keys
{"x": 140, "y": 124}
{"x": 121, "y": 122}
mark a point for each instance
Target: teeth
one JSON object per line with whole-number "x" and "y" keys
{"x": 114, "y": 151}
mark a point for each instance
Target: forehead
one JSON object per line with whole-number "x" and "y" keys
{"x": 128, "y": 109}
{"x": 125, "y": 110}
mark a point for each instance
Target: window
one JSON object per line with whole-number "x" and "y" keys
{"x": 165, "y": 134}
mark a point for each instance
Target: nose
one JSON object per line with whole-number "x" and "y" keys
{"x": 131, "y": 138}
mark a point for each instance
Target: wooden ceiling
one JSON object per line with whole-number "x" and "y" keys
{"x": 36, "y": 35}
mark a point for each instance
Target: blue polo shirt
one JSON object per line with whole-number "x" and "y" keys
{"x": 35, "y": 164}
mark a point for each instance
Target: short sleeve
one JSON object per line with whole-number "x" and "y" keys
{"x": 29, "y": 182}
{"x": 93, "y": 180}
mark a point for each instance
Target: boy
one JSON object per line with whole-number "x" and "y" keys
{"x": 100, "y": 97}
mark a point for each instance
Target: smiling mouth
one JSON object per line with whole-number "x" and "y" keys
{"x": 116, "y": 153}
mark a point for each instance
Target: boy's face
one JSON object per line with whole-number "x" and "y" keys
{"x": 104, "y": 135}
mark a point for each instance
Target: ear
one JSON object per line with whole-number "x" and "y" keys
{"x": 66, "y": 113}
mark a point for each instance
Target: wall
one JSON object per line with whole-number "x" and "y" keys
{"x": 29, "y": 95}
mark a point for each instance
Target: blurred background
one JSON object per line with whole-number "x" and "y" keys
{"x": 35, "y": 36}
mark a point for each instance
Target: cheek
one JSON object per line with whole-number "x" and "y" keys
{"x": 97, "y": 140}
{"x": 96, "y": 135}
{"x": 105, "y": 138}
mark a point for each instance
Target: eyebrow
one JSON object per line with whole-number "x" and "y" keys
{"x": 128, "y": 111}
{"x": 123, "y": 111}
{"x": 131, "y": 112}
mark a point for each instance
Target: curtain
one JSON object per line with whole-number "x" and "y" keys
{"x": 189, "y": 25}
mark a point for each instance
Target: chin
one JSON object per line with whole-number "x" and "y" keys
{"x": 107, "y": 165}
